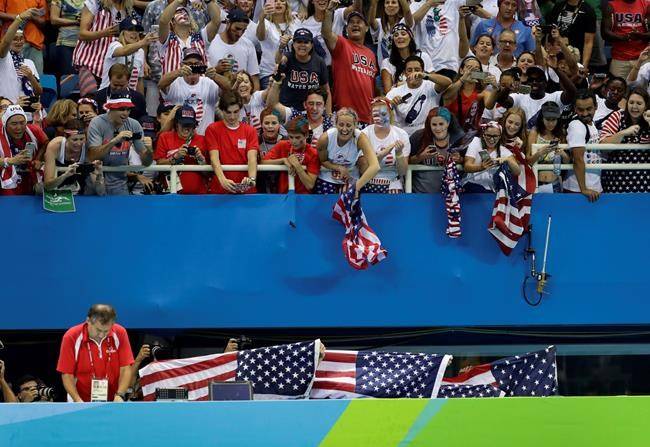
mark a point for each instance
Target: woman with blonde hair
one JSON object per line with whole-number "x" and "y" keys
{"x": 515, "y": 139}
{"x": 178, "y": 31}
{"x": 60, "y": 113}
{"x": 274, "y": 30}
{"x": 98, "y": 27}
{"x": 339, "y": 150}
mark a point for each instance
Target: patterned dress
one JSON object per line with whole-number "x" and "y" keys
{"x": 626, "y": 181}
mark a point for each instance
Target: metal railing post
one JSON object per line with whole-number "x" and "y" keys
{"x": 173, "y": 180}
{"x": 408, "y": 183}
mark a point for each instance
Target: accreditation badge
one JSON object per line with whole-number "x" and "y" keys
{"x": 99, "y": 390}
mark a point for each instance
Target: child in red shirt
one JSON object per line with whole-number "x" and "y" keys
{"x": 301, "y": 158}
{"x": 231, "y": 142}
{"x": 183, "y": 146}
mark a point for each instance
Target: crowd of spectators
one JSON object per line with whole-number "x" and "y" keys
{"x": 336, "y": 92}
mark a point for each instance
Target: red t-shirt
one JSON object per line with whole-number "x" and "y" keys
{"x": 233, "y": 146}
{"x": 74, "y": 358}
{"x": 308, "y": 157}
{"x": 28, "y": 180}
{"x": 628, "y": 17}
{"x": 471, "y": 110}
{"x": 168, "y": 144}
{"x": 354, "y": 68}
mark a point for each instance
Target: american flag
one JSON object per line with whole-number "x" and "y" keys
{"x": 172, "y": 51}
{"x": 532, "y": 374}
{"x": 361, "y": 245}
{"x": 351, "y": 374}
{"x": 511, "y": 211}
{"x": 276, "y": 372}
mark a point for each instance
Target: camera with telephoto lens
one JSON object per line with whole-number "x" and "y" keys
{"x": 86, "y": 168}
{"x": 44, "y": 393}
{"x": 243, "y": 342}
{"x": 134, "y": 136}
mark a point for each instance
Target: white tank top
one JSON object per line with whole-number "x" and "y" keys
{"x": 346, "y": 155}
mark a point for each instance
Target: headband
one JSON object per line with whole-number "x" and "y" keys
{"x": 491, "y": 124}
{"x": 403, "y": 27}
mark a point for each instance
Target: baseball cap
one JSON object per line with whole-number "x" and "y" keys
{"x": 357, "y": 14}
{"x": 185, "y": 116}
{"x": 119, "y": 99}
{"x": 237, "y": 15}
{"x": 536, "y": 69}
{"x": 303, "y": 35}
{"x": 148, "y": 126}
{"x": 189, "y": 52}
{"x": 550, "y": 110}
{"x": 130, "y": 24}
{"x": 164, "y": 107}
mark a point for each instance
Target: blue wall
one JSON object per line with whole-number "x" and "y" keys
{"x": 228, "y": 262}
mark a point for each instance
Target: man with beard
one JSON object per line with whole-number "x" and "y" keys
{"x": 354, "y": 66}
{"x": 228, "y": 52}
{"x": 582, "y": 131}
{"x": 110, "y": 137}
{"x": 21, "y": 144}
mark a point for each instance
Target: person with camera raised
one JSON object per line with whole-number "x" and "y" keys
{"x": 21, "y": 148}
{"x": 70, "y": 151}
{"x": 196, "y": 85}
{"x": 95, "y": 358}
{"x": 30, "y": 389}
{"x": 111, "y": 136}
{"x": 183, "y": 146}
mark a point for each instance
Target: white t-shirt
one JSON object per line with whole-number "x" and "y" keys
{"x": 10, "y": 87}
{"x": 242, "y": 51}
{"x": 202, "y": 96}
{"x": 602, "y": 110}
{"x": 576, "y": 136}
{"x": 437, "y": 33}
{"x": 643, "y": 77}
{"x": 483, "y": 178}
{"x": 410, "y": 115}
{"x": 250, "y": 113}
{"x": 390, "y": 68}
{"x": 532, "y": 106}
{"x": 346, "y": 155}
{"x": 271, "y": 43}
{"x": 338, "y": 23}
{"x": 136, "y": 59}
{"x": 388, "y": 165}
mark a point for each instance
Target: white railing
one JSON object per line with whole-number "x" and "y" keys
{"x": 174, "y": 170}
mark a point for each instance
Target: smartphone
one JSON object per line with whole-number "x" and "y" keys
{"x": 199, "y": 69}
{"x": 30, "y": 148}
{"x": 406, "y": 97}
{"x": 546, "y": 29}
{"x": 599, "y": 75}
{"x": 524, "y": 89}
{"x": 282, "y": 68}
{"x": 479, "y": 75}
{"x": 485, "y": 157}
{"x": 473, "y": 3}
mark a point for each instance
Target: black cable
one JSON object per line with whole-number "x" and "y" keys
{"x": 523, "y": 291}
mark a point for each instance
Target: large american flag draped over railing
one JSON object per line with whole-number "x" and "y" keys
{"x": 350, "y": 374}
{"x": 361, "y": 245}
{"x": 532, "y": 374}
{"x": 511, "y": 211}
{"x": 276, "y": 372}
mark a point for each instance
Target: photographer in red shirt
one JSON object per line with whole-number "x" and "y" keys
{"x": 95, "y": 358}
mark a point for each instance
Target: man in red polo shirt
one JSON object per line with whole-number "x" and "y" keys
{"x": 95, "y": 358}
{"x": 354, "y": 66}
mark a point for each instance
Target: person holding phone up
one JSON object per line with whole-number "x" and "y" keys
{"x": 21, "y": 145}
{"x": 484, "y": 154}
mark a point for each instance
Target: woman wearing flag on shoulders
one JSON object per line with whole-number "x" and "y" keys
{"x": 339, "y": 150}
{"x": 485, "y": 153}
